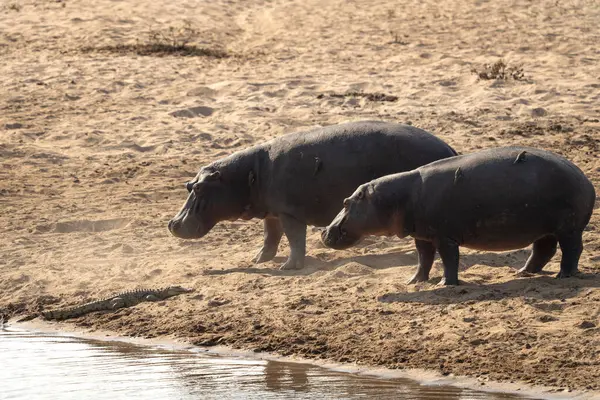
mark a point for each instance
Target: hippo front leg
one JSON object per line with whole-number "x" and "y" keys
{"x": 449, "y": 254}
{"x": 296, "y": 234}
{"x": 426, "y": 252}
{"x": 273, "y": 234}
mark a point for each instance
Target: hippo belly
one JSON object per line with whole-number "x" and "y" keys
{"x": 507, "y": 230}
{"x": 502, "y": 242}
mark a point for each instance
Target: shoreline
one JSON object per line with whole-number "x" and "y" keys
{"x": 421, "y": 376}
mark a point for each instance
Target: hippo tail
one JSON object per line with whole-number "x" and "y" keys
{"x": 592, "y": 203}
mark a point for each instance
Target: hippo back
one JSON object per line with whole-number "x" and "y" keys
{"x": 310, "y": 173}
{"x": 491, "y": 192}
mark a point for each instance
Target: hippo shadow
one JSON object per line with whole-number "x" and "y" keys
{"x": 312, "y": 265}
{"x": 376, "y": 261}
{"x": 515, "y": 259}
{"x": 540, "y": 287}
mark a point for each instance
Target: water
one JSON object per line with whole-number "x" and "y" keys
{"x": 37, "y": 365}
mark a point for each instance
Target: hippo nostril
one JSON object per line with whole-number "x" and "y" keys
{"x": 326, "y": 236}
{"x": 173, "y": 224}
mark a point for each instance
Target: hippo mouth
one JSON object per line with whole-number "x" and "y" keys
{"x": 187, "y": 224}
{"x": 338, "y": 238}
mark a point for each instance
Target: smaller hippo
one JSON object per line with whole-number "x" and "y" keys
{"x": 498, "y": 199}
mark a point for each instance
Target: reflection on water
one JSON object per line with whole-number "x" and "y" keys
{"x": 48, "y": 366}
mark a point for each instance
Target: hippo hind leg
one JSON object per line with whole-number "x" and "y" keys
{"x": 273, "y": 234}
{"x": 296, "y": 234}
{"x": 543, "y": 250}
{"x": 571, "y": 247}
{"x": 426, "y": 252}
{"x": 449, "y": 254}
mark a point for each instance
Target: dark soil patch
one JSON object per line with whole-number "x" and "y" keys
{"x": 158, "y": 50}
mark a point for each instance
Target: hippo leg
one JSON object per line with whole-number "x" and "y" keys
{"x": 571, "y": 247}
{"x": 543, "y": 250}
{"x": 273, "y": 234}
{"x": 426, "y": 251}
{"x": 449, "y": 254}
{"x": 296, "y": 234}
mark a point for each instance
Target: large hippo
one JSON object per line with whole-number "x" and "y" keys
{"x": 300, "y": 179}
{"x": 497, "y": 199}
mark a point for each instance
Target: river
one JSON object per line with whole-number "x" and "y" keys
{"x": 38, "y": 365}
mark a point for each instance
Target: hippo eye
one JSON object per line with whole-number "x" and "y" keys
{"x": 189, "y": 186}
{"x": 197, "y": 188}
{"x": 360, "y": 194}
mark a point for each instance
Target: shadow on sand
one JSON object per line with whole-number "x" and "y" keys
{"x": 514, "y": 259}
{"x": 312, "y": 264}
{"x": 542, "y": 287}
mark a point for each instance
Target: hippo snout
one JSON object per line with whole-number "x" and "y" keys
{"x": 182, "y": 229}
{"x": 337, "y": 238}
{"x": 173, "y": 225}
{"x": 189, "y": 226}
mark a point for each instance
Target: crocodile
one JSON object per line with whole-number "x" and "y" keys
{"x": 112, "y": 303}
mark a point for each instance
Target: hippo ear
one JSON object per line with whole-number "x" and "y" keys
{"x": 251, "y": 178}
{"x": 370, "y": 190}
{"x": 214, "y": 176}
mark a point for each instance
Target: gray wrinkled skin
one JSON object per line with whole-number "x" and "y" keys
{"x": 498, "y": 199}
{"x": 300, "y": 179}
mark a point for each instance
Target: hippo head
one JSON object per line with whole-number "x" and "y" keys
{"x": 360, "y": 216}
{"x": 212, "y": 198}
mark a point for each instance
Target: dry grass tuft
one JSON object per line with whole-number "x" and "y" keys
{"x": 14, "y": 7}
{"x": 392, "y": 22}
{"x": 369, "y": 96}
{"x": 171, "y": 41}
{"x": 499, "y": 70}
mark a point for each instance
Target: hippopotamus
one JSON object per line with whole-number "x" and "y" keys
{"x": 495, "y": 200}
{"x": 300, "y": 179}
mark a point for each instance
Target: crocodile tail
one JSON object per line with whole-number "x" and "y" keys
{"x": 28, "y": 318}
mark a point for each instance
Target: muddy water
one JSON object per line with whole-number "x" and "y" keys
{"x": 49, "y": 366}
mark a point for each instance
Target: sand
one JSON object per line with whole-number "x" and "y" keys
{"x": 95, "y": 146}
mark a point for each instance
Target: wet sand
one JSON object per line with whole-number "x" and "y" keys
{"x": 96, "y": 141}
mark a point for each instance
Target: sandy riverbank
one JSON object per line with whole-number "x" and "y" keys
{"x": 96, "y": 142}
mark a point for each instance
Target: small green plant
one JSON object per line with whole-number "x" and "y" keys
{"x": 499, "y": 70}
